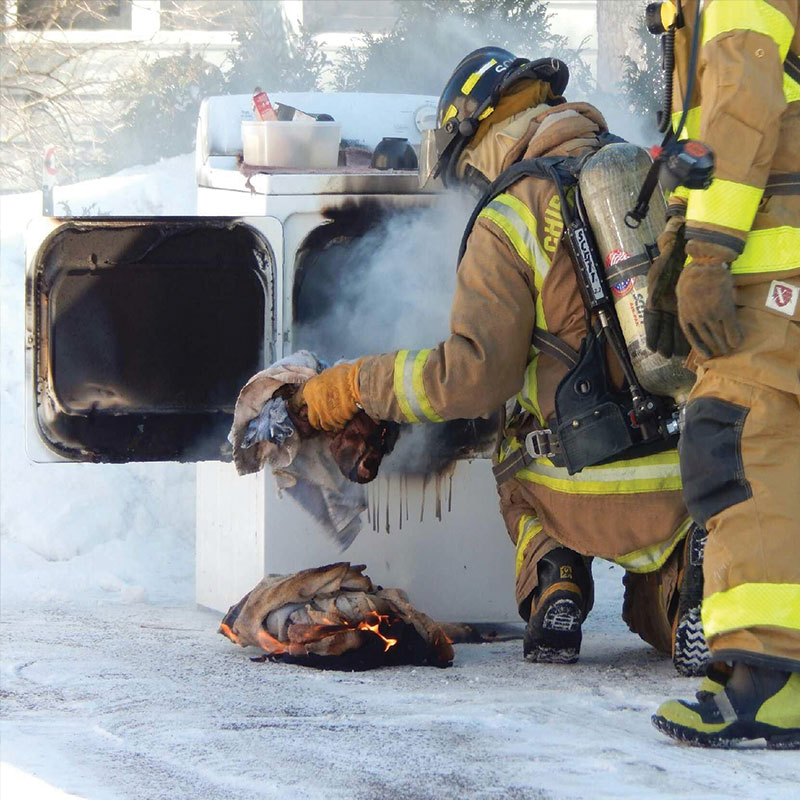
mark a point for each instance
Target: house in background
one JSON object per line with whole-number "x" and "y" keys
{"x": 55, "y": 77}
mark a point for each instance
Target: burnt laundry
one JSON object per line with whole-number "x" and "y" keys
{"x": 334, "y": 617}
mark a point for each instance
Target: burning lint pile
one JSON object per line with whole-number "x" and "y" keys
{"x": 334, "y": 617}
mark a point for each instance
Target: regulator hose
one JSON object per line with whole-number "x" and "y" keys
{"x": 664, "y": 114}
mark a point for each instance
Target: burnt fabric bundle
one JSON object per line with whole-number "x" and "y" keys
{"x": 319, "y": 470}
{"x": 334, "y": 617}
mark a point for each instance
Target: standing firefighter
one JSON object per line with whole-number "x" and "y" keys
{"x": 517, "y": 322}
{"x": 737, "y": 73}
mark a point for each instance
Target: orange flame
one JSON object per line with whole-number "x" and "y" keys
{"x": 226, "y": 631}
{"x": 365, "y": 626}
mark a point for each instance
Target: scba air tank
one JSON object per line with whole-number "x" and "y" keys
{"x": 609, "y": 184}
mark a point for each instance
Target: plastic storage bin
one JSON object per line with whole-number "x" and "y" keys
{"x": 291, "y": 143}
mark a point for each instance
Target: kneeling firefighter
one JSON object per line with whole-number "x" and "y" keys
{"x": 575, "y": 478}
{"x": 737, "y": 298}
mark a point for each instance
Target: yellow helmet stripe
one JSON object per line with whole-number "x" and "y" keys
{"x": 449, "y": 114}
{"x": 469, "y": 83}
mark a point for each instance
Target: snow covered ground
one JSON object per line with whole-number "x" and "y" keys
{"x": 115, "y": 686}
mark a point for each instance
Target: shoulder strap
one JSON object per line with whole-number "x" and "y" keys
{"x": 565, "y": 168}
{"x": 528, "y": 167}
{"x": 552, "y": 346}
{"x": 791, "y": 66}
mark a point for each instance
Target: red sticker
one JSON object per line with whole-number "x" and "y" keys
{"x": 615, "y": 257}
{"x": 781, "y": 295}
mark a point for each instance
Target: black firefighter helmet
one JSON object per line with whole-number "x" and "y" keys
{"x": 470, "y": 96}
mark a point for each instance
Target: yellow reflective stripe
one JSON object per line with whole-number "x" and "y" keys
{"x": 722, "y": 16}
{"x": 408, "y": 386}
{"x": 769, "y": 250}
{"x": 486, "y": 113}
{"x": 519, "y": 224}
{"x": 658, "y": 473}
{"x": 682, "y": 192}
{"x": 727, "y": 203}
{"x": 508, "y": 446}
{"x": 529, "y": 396}
{"x": 400, "y": 361}
{"x": 469, "y": 83}
{"x": 751, "y": 604}
{"x": 527, "y": 528}
{"x": 791, "y": 89}
{"x": 449, "y": 114}
{"x": 419, "y": 389}
{"x": 691, "y": 128}
{"x": 649, "y": 559}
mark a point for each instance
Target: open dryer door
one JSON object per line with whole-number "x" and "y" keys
{"x": 140, "y": 333}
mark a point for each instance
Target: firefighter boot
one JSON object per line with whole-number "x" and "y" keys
{"x": 558, "y": 607}
{"x": 690, "y": 653}
{"x": 715, "y": 680}
{"x": 756, "y": 703}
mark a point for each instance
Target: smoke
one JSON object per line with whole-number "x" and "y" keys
{"x": 389, "y": 288}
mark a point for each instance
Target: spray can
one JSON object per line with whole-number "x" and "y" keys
{"x": 609, "y": 184}
{"x": 262, "y": 107}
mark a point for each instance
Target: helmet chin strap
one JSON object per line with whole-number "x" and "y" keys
{"x": 475, "y": 180}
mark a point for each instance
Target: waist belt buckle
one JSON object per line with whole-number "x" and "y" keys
{"x": 539, "y": 444}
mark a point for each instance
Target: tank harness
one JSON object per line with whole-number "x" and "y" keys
{"x": 594, "y": 422}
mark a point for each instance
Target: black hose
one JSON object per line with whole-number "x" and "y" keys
{"x": 664, "y": 114}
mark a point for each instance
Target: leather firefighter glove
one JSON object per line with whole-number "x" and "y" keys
{"x": 662, "y": 330}
{"x": 706, "y": 309}
{"x": 330, "y": 398}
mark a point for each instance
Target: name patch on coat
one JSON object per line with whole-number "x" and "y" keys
{"x": 783, "y": 297}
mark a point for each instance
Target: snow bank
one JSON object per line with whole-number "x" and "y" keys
{"x": 83, "y": 533}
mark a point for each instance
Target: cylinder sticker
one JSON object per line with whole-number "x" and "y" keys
{"x": 625, "y": 286}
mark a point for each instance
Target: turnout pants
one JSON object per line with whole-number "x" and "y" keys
{"x": 651, "y": 597}
{"x": 740, "y": 464}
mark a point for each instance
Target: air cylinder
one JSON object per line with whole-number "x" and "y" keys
{"x": 609, "y": 184}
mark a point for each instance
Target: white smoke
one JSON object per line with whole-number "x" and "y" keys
{"x": 393, "y": 286}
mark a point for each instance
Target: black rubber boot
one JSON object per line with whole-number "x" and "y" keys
{"x": 690, "y": 653}
{"x": 558, "y": 607}
{"x": 715, "y": 680}
{"x": 756, "y": 703}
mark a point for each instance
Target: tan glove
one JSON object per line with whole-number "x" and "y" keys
{"x": 662, "y": 331}
{"x": 706, "y": 309}
{"x": 331, "y": 397}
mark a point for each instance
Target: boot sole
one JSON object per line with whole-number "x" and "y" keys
{"x": 691, "y": 651}
{"x": 733, "y": 735}
{"x": 558, "y": 640}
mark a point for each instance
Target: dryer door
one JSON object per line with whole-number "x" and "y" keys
{"x": 140, "y": 333}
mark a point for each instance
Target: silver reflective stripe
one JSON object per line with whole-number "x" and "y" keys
{"x": 536, "y": 257}
{"x": 409, "y": 386}
{"x": 723, "y": 703}
{"x": 649, "y": 559}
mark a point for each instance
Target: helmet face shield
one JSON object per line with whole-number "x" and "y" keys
{"x": 434, "y": 144}
{"x": 428, "y": 157}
